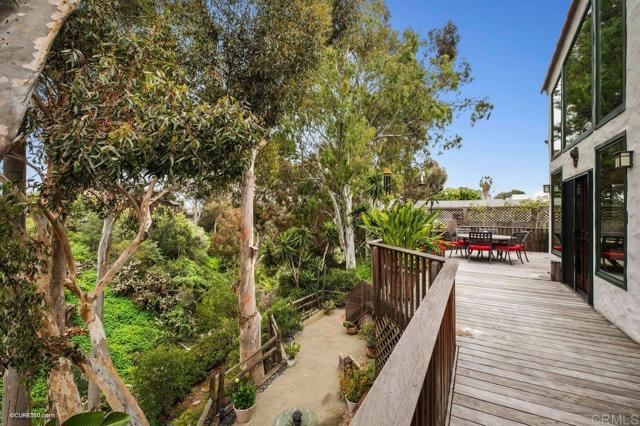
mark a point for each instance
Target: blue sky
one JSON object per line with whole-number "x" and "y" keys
{"x": 509, "y": 44}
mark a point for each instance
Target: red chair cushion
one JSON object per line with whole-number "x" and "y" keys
{"x": 457, "y": 243}
{"x": 483, "y": 247}
{"x": 518, "y": 247}
{"x": 557, "y": 248}
{"x": 613, "y": 254}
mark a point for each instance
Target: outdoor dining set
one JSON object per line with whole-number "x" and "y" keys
{"x": 488, "y": 240}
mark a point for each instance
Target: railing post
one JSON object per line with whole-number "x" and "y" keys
{"x": 375, "y": 272}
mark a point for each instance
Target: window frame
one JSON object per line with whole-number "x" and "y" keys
{"x": 586, "y": 133}
{"x": 558, "y": 81}
{"x": 612, "y": 279}
{"x": 557, "y": 171}
{"x": 599, "y": 122}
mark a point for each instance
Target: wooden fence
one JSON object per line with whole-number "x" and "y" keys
{"x": 359, "y": 301}
{"x": 413, "y": 386}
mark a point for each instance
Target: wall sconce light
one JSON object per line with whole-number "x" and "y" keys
{"x": 623, "y": 159}
{"x": 546, "y": 188}
{"x": 386, "y": 180}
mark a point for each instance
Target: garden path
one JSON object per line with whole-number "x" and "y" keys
{"x": 313, "y": 382}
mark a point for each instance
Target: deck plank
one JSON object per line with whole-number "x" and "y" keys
{"x": 533, "y": 352}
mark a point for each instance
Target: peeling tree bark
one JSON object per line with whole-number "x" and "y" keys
{"x": 93, "y": 400}
{"x": 27, "y": 35}
{"x": 15, "y": 394}
{"x": 342, "y": 207}
{"x": 250, "y": 319}
{"x": 62, "y": 389}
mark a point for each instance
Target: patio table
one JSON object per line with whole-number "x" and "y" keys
{"x": 495, "y": 237}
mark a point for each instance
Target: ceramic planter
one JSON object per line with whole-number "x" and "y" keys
{"x": 243, "y": 416}
{"x": 291, "y": 362}
{"x": 371, "y": 352}
{"x": 352, "y": 330}
{"x": 351, "y": 406}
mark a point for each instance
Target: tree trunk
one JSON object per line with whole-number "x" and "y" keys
{"x": 27, "y": 35}
{"x": 349, "y": 232}
{"x": 100, "y": 370}
{"x": 15, "y": 399}
{"x": 15, "y": 394}
{"x": 250, "y": 319}
{"x": 62, "y": 389}
{"x": 93, "y": 400}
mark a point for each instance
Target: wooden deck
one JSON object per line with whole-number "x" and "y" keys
{"x": 532, "y": 352}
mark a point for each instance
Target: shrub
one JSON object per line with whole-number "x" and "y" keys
{"x": 404, "y": 225}
{"x": 292, "y": 349}
{"x": 217, "y": 305}
{"x": 328, "y": 306}
{"x": 288, "y": 318}
{"x": 164, "y": 376}
{"x": 211, "y": 350}
{"x": 368, "y": 333}
{"x": 176, "y": 236}
{"x": 244, "y": 395}
{"x": 341, "y": 280}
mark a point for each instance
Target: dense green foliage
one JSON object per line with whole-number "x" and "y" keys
{"x": 461, "y": 193}
{"x": 404, "y": 225}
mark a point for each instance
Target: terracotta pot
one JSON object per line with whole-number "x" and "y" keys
{"x": 352, "y": 330}
{"x": 243, "y": 416}
{"x": 351, "y": 406}
{"x": 291, "y": 362}
{"x": 371, "y": 352}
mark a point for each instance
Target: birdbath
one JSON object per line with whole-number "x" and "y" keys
{"x": 297, "y": 417}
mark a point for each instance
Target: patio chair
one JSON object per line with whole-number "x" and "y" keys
{"x": 457, "y": 244}
{"x": 481, "y": 242}
{"x": 515, "y": 245}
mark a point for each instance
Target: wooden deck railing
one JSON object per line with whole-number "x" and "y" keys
{"x": 413, "y": 386}
{"x": 401, "y": 279}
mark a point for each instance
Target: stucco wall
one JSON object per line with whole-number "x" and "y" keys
{"x": 621, "y": 307}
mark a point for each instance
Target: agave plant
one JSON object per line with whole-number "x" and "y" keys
{"x": 404, "y": 226}
{"x": 95, "y": 419}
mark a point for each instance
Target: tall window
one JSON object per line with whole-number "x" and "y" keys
{"x": 611, "y": 214}
{"x": 556, "y": 119}
{"x": 611, "y": 56}
{"x": 578, "y": 83}
{"x": 556, "y": 212}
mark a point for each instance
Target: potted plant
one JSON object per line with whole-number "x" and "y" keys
{"x": 244, "y": 400}
{"x": 368, "y": 333}
{"x": 352, "y": 388}
{"x": 328, "y": 306}
{"x": 351, "y": 327}
{"x": 291, "y": 349}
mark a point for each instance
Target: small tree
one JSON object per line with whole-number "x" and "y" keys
{"x": 485, "y": 186}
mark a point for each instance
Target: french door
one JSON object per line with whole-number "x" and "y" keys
{"x": 577, "y": 226}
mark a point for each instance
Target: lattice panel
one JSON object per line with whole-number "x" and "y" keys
{"x": 498, "y": 216}
{"x": 387, "y": 335}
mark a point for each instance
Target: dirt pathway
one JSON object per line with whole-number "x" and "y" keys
{"x": 313, "y": 382}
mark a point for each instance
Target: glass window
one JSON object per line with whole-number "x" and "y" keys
{"x": 611, "y": 36}
{"x": 612, "y": 213}
{"x": 556, "y": 111}
{"x": 578, "y": 83}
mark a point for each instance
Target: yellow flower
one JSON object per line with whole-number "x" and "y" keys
{"x": 237, "y": 380}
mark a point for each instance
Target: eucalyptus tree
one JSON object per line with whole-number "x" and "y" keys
{"x": 486, "y": 182}
{"x": 378, "y": 100}
{"x": 260, "y": 50}
{"x": 114, "y": 112}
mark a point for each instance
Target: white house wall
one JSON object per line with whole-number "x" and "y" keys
{"x": 621, "y": 307}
